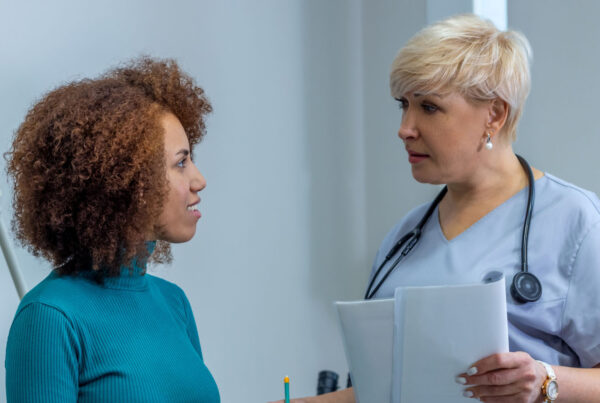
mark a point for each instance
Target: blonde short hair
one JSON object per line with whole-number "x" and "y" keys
{"x": 467, "y": 54}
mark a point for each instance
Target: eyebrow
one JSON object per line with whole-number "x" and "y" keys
{"x": 184, "y": 152}
{"x": 420, "y": 94}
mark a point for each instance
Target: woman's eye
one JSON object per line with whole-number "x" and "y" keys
{"x": 429, "y": 108}
{"x": 181, "y": 164}
{"x": 403, "y": 104}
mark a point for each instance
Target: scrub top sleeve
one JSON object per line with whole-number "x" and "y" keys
{"x": 42, "y": 357}
{"x": 581, "y": 317}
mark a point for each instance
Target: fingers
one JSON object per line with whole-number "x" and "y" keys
{"x": 500, "y": 369}
{"x": 505, "y": 377}
{"x": 512, "y": 390}
{"x": 502, "y": 377}
{"x": 499, "y": 361}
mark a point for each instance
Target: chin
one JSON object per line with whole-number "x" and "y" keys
{"x": 179, "y": 237}
{"x": 422, "y": 177}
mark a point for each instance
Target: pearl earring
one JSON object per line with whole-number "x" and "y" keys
{"x": 488, "y": 142}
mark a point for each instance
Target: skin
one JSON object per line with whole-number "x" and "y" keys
{"x": 448, "y": 133}
{"x": 176, "y": 223}
{"x": 444, "y": 135}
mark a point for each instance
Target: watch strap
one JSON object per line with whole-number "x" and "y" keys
{"x": 549, "y": 369}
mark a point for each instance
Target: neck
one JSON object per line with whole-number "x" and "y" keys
{"x": 495, "y": 181}
{"x": 499, "y": 177}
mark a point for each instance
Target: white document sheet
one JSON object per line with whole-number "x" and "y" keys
{"x": 367, "y": 330}
{"x": 410, "y": 349}
{"x": 439, "y": 333}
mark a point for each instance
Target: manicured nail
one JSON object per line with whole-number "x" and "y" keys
{"x": 461, "y": 380}
{"x": 467, "y": 393}
{"x": 472, "y": 371}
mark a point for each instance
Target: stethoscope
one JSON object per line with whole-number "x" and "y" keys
{"x": 525, "y": 286}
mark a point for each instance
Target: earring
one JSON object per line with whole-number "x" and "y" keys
{"x": 488, "y": 142}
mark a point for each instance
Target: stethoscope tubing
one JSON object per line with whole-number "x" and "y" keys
{"x": 410, "y": 239}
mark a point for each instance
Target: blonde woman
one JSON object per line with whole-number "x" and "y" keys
{"x": 461, "y": 85}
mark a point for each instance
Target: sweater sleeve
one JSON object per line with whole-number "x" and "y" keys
{"x": 42, "y": 356}
{"x": 192, "y": 330}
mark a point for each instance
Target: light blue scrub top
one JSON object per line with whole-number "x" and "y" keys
{"x": 563, "y": 327}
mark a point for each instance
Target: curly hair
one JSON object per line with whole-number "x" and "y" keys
{"x": 87, "y": 165}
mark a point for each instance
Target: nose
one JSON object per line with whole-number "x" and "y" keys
{"x": 408, "y": 129}
{"x": 197, "y": 182}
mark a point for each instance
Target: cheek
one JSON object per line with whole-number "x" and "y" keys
{"x": 176, "y": 186}
{"x": 451, "y": 153}
{"x": 178, "y": 196}
{"x": 175, "y": 201}
{"x": 458, "y": 141}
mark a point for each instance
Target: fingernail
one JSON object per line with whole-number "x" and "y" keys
{"x": 467, "y": 393}
{"x": 472, "y": 371}
{"x": 461, "y": 380}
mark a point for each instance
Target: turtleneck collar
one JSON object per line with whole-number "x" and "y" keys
{"x": 133, "y": 276}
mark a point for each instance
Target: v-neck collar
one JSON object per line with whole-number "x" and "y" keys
{"x": 479, "y": 222}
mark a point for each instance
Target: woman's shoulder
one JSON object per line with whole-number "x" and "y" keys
{"x": 406, "y": 224}
{"x": 55, "y": 300}
{"x": 173, "y": 296}
{"x": 59, "y": 292}
{"x": 168, "y": 290}
{"x": 165, "y": 286}
{"x": 569, "y": 198}
{"x": 73, "y": 296}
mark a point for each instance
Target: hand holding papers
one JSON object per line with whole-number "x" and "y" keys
{"x": 410, "y": 348}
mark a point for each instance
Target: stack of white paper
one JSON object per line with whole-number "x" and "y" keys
{"x": 368, "y": 328}
{"x": 411, "y": 348}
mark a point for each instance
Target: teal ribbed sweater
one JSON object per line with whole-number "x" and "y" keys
{"x": 132, "y": 339}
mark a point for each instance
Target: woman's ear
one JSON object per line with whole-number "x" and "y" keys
{"x": 497, "y": 115}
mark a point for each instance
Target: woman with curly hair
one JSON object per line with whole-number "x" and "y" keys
{"x": 103, "y": 182}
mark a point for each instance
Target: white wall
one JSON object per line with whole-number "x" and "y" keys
{"x": 559, "y": 131}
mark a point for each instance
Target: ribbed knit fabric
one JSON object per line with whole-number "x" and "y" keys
{"x": 132, "y": 339}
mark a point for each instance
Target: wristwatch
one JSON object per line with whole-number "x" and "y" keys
{"x": 550, "y": 385}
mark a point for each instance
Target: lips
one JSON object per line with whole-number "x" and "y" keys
{"x": 415, "y": 157}
{"x": 193, "y": 208}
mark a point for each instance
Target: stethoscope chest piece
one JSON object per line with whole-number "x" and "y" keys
{"x": 525, "y": 287}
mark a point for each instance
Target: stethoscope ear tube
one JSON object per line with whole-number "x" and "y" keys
{"x": 412, "y": 238}
{"x": 391, "y": 253}
{"x": 525, "y": 286}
